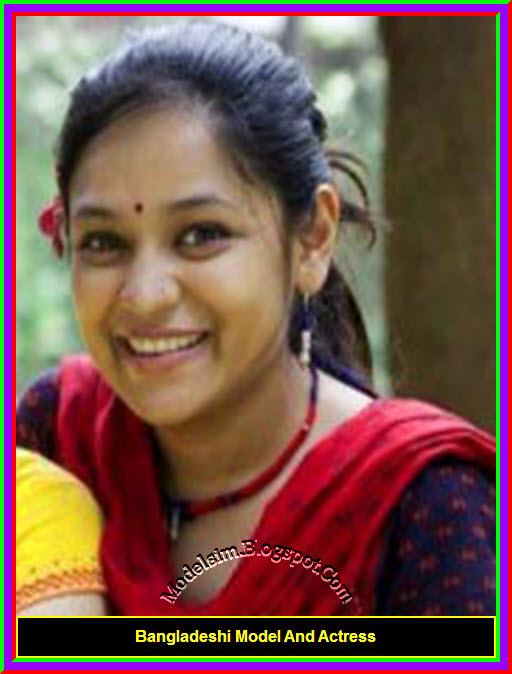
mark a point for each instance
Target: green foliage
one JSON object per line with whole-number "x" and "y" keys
{"x": 45, "y": 328}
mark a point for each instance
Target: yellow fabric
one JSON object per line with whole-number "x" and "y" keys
{"x": 58, "y": 527}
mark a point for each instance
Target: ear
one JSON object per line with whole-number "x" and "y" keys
{"x": 314, "y": 248}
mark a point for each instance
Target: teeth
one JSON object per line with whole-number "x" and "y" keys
{"x": 157, "y": 346}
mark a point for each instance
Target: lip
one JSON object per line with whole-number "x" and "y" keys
{"x": 160, "y": 333}
{"x": 165, "y": 361}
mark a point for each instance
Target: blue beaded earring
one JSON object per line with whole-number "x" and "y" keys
{"x": 306, "y": 339}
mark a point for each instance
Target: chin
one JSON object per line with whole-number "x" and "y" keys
{"x": 162, "y": 413}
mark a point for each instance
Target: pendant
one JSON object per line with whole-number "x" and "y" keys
{"x": 175, "y": 523}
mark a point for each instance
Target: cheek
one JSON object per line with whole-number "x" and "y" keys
{"x": 92, "y": 295}
{"x": 249, "y": 295}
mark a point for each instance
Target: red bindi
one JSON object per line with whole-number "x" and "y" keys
{"x": 139, "y": 207}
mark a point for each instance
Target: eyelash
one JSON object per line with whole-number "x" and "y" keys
{"x": 207, "y": 228}
{"x": 105, "y": 243}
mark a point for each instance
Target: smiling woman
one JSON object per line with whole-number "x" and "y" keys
{"x": 226, "y": 393}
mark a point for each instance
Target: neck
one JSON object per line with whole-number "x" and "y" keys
{"x": 230, "y": 446}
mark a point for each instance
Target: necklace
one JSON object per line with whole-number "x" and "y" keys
{"x": 178, "y": 511}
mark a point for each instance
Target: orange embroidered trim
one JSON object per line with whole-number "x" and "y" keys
{"x": 73, "y": 580}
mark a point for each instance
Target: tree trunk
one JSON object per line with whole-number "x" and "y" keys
{"x": 439, "y": 174}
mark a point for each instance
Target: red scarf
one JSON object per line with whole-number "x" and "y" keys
{"x": 335, "y": 506}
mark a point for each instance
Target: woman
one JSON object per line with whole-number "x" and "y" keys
{"x": 224, "y": 397}
{"x": 58, "y": 527}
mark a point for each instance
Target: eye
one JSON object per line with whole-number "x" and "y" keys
{"x": 203, "y": 234}
{"x": 100, "y": 246}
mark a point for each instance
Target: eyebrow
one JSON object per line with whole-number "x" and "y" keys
{"x": 92, "y": 211}
{"x": 199, "y": 200}
{"x": 187, "y": 203}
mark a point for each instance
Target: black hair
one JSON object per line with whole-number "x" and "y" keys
{"x": 263, "y": 107}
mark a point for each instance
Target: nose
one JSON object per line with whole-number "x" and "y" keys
{"x": 150, "y": 285}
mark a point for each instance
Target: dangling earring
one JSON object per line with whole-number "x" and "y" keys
{"x": 305, "y": 333}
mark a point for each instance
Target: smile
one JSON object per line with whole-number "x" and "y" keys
{"x": 154, "y": 347}
{"x": 159, "y": 354}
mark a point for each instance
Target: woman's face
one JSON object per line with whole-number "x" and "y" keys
{"x": 180, "y": 281}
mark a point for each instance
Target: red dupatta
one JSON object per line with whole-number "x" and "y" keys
{"x": 335, "y": 506}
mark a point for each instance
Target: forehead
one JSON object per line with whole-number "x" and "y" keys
{"x": 161, "y": 155}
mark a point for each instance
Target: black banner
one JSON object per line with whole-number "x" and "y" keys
{"x": 313, "y": 637}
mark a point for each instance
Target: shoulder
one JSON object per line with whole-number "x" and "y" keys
{"x": 58, "y": 526}
{"x": 41, "y": 389}
{"x": 72, "y": 387}
{"x": 422, "y": 417}
{"x": 35, "y": 413}
{"x": 45, "y": 388}
{"x": 424, "y": 433}
{"x": 343, "y": 403}
{"x": 388, "y": 443}
{"x": 395, "y": 431}
{"x": 32, "y": 469}
{"x": 45, "y": 491}
{"x": 343, "y": 409}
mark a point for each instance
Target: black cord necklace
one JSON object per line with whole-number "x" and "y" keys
{"x": 178, "y": 511}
